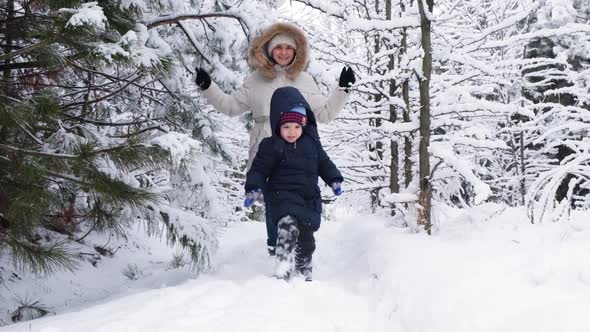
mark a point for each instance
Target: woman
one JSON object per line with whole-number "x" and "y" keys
{"x": 278, "y": 57}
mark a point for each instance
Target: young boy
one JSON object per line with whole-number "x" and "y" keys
{"x": 287, "y": 166}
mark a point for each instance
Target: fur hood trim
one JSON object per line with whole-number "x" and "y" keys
{"x": 260, "y": 60}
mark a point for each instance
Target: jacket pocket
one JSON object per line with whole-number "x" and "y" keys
{"x": 315, "y": 204}
{"x": 286, "y": 197}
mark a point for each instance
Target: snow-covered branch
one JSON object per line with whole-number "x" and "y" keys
{"x": 173, "y": 19}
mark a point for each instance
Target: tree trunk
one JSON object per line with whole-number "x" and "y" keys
{"x": 394, "y": 164}
{"x": 376, "y": 148}
{"x": 522, "y": 170}
{"x": 8, "y": 43}
{"x": 406, "y": 113}
{"x": 425, "y": 197}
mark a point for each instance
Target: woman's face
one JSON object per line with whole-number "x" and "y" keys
{"x": 283, "y": 54}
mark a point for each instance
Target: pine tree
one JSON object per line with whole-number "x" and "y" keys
{"x": 100, "y": 126}
{"x": 66, "y": 157}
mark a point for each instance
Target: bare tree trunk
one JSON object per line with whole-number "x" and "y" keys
{"x": 6, "y": 81}
{"x": 377, "y": 148}
{"x": 394, "y": 164}
{"x": 8, "y": 44}
{"x": 425, "y": 197}
{"x": 406, "y": 113}
{"x": 522, "y": 170}
{"x": 521, "y": 155}
{"x": 408, "y": 174}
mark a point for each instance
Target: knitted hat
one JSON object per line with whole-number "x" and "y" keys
{"x": 296, "y": 114}
{"x": 280, "y": 39}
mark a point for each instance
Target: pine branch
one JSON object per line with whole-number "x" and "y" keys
{"x": 115, "y": 78}
{"x": 24, "y": 50}
{"x": 103, "y": 97}
{"x": 23, "y": 128}
{"x": 37, "y": 258}
{"x": 140, "y": 156}
{"x": 37, "y": 153}
{"x": 199, "y": 256}
{"x": 140, "y": 132}
{"x": 193, "y": 42}
{"x": 66, "y": 177}
{"x": 21, "y": 65}
{"x": 115, "y": 124}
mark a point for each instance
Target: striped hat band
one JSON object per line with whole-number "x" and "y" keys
{"x": 293, "y": 117}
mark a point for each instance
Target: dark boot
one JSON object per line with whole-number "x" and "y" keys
{"x": 272, "y": 250}
{"x": 303, "y": 265}
{"x": 285, "y": 250}
{"x": 304, "y": 252}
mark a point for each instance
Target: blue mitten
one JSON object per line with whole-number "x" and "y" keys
{"x": 252, "y": 196}
{"x": 336, "y": 188}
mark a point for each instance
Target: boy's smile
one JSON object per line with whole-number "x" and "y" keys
{"x": 291, "y": 131}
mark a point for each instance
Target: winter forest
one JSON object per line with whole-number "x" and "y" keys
{"x": 464, "y": 147}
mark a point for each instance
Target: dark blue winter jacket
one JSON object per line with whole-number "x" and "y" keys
{"x": 290, "y": 171}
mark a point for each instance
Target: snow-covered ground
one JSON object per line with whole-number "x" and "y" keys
{"x": 486, "y": 269}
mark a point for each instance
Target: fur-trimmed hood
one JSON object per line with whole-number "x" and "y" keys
{"x": 262, "y": 62}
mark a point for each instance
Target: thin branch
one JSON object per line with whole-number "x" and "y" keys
{"x": 62, "y": 155}
{"x": 88, "y": 233}
{"x": 317, "y": 6}
{"x": 115, "y": 149}
{"x": 190, "y": 38}
{"x": 103, "y": 97}
{"x": 173, "y": 19}
{"x": 21, "y": 65}
{"x": 23, "y": 50}
{"x": 140, "y": 131}
{"x": 37, "y": 153}
{"x": 114, "y": 78}
{"x": 116, "y": 124}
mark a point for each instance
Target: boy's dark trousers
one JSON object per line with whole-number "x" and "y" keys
{"x": 296, "y": 239}
{"x": 271, "y": 227}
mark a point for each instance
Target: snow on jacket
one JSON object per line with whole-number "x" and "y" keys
{"x": 258, "y": 87}
{"x": 290, "y": 171}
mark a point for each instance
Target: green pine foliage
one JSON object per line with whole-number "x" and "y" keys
{"x": 64, "y": 161}
{"x": 96, "y": 113}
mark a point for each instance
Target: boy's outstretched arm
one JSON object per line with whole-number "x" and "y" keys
{"x": 262, "y": 166}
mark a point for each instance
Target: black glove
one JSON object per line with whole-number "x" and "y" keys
{"x": 203, "y": 79}
{"x": 347, "y": 79}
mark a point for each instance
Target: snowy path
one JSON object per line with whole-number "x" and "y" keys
{"x": 240, "y": 295}
{"x": 475, "y": 275}
{"x": 259, "y": 302}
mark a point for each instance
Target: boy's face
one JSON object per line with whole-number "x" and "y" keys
{"x": 291, "y": 131}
